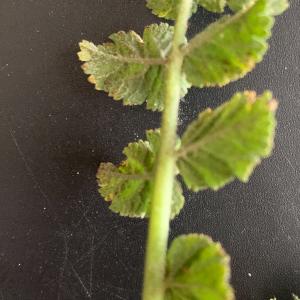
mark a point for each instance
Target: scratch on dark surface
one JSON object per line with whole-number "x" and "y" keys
{"x": 94, "y": 248}
{"x": 289, "y": 161}
{"x": 80, "y": 281}
{"x": 126, "y": 267}
{"x": 28, "y": 168}
{"x": 107, "y": 285}
{"x": 84, "y": 215}
{"x": 120, "y": 297}
{"x": 63, "y": 267}
{"x": 92, "y": 265}
{"x": 281, "y": 224}
{"x": 33, "y": 177}
{"x": 87, "y": 220}
{"x": 115, "y": 295}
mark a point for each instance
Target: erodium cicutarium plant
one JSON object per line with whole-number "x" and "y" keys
{"x": 221, "y": 145}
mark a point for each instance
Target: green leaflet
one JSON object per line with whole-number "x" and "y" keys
{"x": 216, "y": 6}
{"x": 275, "y": 7}
{"x": 129, "y": 186}
{"x": 227, "y": 142}
{"x": 197, "y": 268}
{"x": 229, "y": 48}
{"x": 131, "y": 68}
{"x": 168, "y": 8}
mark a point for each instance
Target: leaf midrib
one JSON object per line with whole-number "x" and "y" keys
{"x": 181, "y": 153}
{"x": 207, "y": 34}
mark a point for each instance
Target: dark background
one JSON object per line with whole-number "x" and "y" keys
{"x": 58, "y": 239}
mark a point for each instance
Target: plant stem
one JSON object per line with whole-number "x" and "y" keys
{"x": 157, "y": 243}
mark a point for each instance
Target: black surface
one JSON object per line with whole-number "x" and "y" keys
{"x": 58, "y": 240}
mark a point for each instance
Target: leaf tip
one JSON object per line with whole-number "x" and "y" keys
{"x": 251, "y": 96}
{"x": 86, "y": 48}
{"x": 92, "y": 79}
{"x": 273, "y": 105}
{"x": 84, "y": 67}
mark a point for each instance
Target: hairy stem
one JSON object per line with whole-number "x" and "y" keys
{"x": 157, "y": 243}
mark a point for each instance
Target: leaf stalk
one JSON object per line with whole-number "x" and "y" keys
{"x": 154, "y": 287}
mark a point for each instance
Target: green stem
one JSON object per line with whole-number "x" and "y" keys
{"x": 164, "y": 176}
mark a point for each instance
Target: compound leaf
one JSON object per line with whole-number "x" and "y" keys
{"x": 227, "y": 142}
{"x": 197, "y": 268}
{"x": 129, "y": 186}
{"x": 131, "y": 68}
{"x": 229, "y": 48}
